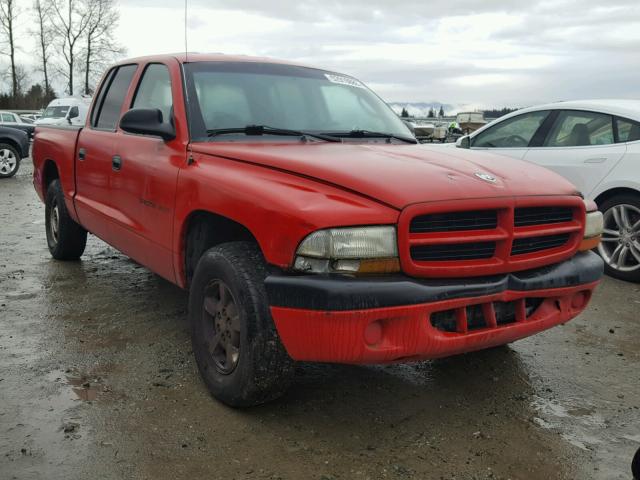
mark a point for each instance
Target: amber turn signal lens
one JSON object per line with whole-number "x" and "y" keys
{"x": 589, "y": 243}
{"x": 381, "y": 265}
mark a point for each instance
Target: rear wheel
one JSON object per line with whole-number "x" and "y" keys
{"x": 9, "y": 160}
{"x": 237, "y": 348}
{"x": 620, "y": 246}
{"x": 65, "y": 238}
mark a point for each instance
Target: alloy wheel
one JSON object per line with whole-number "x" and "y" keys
{"x": 620, "y": 246}
{"x": 8, "y": 161}
{"x": 222, "y": 326}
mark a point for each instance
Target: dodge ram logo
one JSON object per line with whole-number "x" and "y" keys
{"x": 486, "y": 177}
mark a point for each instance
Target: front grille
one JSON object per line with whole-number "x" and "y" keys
{"x": 527, "y": 216}
{"x": 536, "y": 244}
{"x": 459, "y": 251}
{"x": 460, "y": 238}
{"x": 485, "y": 315}
{"x": 455, "y": 221}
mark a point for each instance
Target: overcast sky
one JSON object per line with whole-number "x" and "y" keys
{"x": 483, "y": 52}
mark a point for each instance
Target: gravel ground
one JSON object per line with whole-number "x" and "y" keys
{"x": 97, "y": 380}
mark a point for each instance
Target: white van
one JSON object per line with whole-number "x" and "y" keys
{"x": 65, "y": 111}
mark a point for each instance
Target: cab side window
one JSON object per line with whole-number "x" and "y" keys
{"x": 515, "y": 132}
{"x": 154, "y": 90}
{"x": 111, "y": 102}
{"x": 628, "y": 130}
{"x": 575, "y": 128}
{"x": 7, "y": 118}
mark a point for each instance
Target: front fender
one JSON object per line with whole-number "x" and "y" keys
{"x": 278, "y": 208}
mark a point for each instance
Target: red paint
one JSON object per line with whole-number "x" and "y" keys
{"x": 406, "y": 331}
{"x": 282, "y": 191}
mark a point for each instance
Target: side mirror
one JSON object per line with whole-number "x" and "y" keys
{"x": 147, "y": 121}
{"x": 464, "y": 142}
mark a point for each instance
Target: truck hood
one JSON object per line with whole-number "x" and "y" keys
{"x": 399, "y": 175}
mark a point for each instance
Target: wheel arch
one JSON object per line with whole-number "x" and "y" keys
{"x": 12, "y": 143}
{"x": 50, "y": 173}
{"x": 202, "y": 230}
{"x": 612, "y": 192}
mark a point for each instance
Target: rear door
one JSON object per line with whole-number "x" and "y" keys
{"x": 94, "y": 154}
{"x": 510, "y": 137}
{"x": 580, "y": 146}
{"x": 146, "y": 179}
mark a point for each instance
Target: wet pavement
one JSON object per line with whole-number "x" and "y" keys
{"x": 97, "y": 380}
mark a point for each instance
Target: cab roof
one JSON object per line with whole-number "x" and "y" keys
{"x": 191, "y": 57}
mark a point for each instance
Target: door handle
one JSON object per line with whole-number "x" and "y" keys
{"x": 116, "y": 162}
{"x": 81, "y": 154}
{"x": 595, "y": 160}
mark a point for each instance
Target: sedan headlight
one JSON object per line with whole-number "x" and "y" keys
{"x": 593, "y": 228}
{"x": 349, "y": 250}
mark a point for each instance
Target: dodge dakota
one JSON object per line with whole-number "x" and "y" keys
{"x": 306, "y": 223}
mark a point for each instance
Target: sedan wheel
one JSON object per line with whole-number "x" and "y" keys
{"x": 8, "y": 162}
{"x": 620, "y": 246}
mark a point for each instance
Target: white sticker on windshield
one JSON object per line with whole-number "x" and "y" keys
{"x": 352, "y": 82}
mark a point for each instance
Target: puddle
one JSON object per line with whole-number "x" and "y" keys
{"x": 83, "y": 387}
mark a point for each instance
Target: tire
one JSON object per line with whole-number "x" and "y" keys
{"x": 237, "y": 349}
{"x": 65, "y": 238}
{"x": 9, "y": 160}
{"x": 620, "y": 246}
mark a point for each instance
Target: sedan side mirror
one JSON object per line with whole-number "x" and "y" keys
{"x": 464, "y": 142}
{"x": 147, "y": 121}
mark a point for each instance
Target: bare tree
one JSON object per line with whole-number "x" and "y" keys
{"x": 43, "y": 9}
{"x": 8, "y": 15}
{"x": 70, "y": 22}
{"x": 100, "y": 47}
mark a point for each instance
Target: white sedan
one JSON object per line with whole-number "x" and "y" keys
{"x": 596, "y": 145}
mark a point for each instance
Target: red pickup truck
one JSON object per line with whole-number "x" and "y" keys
{"x": 307, "y": 223}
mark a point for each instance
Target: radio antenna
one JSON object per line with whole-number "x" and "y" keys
{"x": 190, "y": 159}
{"x": 186, "y": 45}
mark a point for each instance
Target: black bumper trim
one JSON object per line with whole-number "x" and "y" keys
{"x": 333, "y": 292}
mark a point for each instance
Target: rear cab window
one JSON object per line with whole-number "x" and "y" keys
{"x": 515, "y": 132}
{"x": 111, "y": 97}
{"x": 574, "y": 128}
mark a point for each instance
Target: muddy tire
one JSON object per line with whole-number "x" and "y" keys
{"x": 620, "y": 246}
{"x": 65, "y": 238}
{"x": 9, "y": 160}
{"x": 237, "y": 349}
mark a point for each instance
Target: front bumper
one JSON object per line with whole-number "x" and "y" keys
{"x": 386, "y": 319}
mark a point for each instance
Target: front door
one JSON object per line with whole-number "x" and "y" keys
{"x": 146, "y": 179}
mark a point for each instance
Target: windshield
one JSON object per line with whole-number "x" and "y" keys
{"x": 55, "y": 112}
{"x": 227, "y": 95}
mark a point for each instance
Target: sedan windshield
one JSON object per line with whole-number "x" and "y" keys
{"x": 230, "y": 96}
{"x": 55, "y": 112}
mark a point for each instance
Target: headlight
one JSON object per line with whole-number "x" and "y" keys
{"x": 349, "y": 250}
{"x": 593, "y": 227}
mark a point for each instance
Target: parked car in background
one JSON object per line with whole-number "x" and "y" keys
{"x": 14, "y": 146}
{"x": 13, "y": 120}
{"x": 65, "y": 111}
{"x": 596, "y": 145}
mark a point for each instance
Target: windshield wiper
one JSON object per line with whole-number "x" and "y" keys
{"x": 370, "y": 134}
{"x": 266, "y": 130}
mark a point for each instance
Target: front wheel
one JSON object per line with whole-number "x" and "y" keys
{"x": 620, "y": 246}
{"x": 235, "y": 343}
{"x": 9, "y": 160}
{"x": 65, "y": 238}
